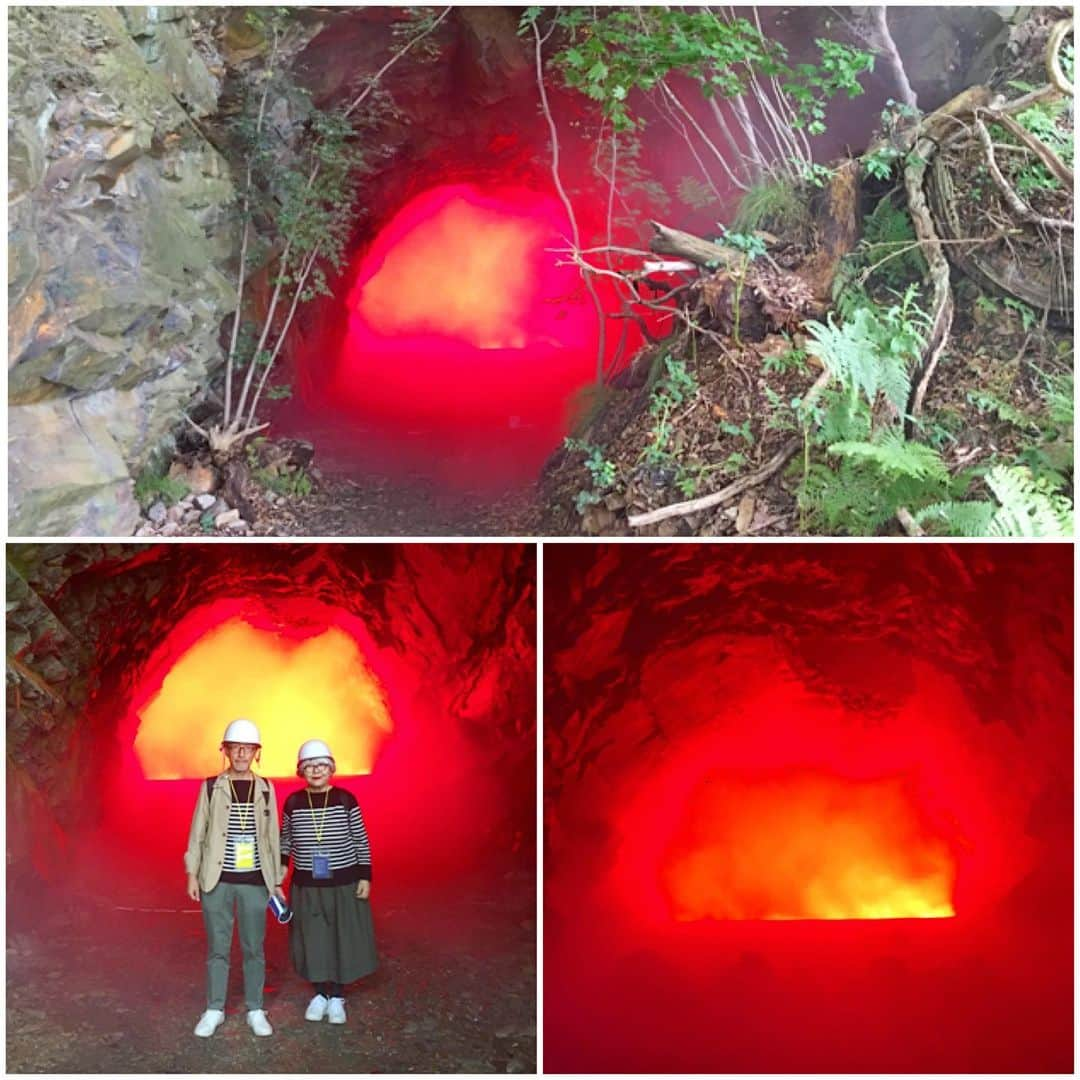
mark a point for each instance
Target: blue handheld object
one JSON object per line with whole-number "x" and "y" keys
{"x": 279, "y": 909}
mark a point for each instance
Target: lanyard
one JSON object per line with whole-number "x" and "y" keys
{"x": 240, "y": 805}
{"x": 319, "y": 824}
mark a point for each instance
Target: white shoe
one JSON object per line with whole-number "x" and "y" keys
{"x": 258, "y": 1023}
{"x": 337, "y": 1011}
{"x": 209, "y": 1022}
{"x": 316, "y": 1009}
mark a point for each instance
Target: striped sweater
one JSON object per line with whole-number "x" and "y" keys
{"x": 344, "y": 837}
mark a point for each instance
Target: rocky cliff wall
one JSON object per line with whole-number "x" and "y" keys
{"x": 119, "y": 232}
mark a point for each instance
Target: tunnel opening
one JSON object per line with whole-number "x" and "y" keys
{"x": 806, "y": 845}
{"x": 462, "y": 338}
{"x": 461, "y": 335}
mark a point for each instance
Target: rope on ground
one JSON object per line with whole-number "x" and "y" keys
{"x": 159, "y": 910}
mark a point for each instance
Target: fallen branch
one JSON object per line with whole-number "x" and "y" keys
{"x": 1008, "y": 193}
{"x": 773, "y": 465}
{"x": 1035, "y": 145}
{"x": 668, "y": 241}
{"x": 941, "y": 313}
{"x": 908, "y": 523}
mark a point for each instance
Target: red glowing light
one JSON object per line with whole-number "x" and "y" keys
{"x": 310, "y": 683}
{"x": 477, "y": 261}
{"x": 469, "y": 331}
{"x": 943, "y": 832}
{"x": 794, "y": 844}
{"x": 461, "y": 299}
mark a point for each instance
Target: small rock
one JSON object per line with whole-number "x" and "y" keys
{"x": 744, "y": 516}
{"x": 615, "y": 501}
{"x": 668, "y": 527}
{"x": 145, "y": 530}
{"x": 156, "y": 513}
{"x": 170, "y": 528}
{"x": 191, "y": 517}
{"x": 205, "y": 501}
{"x": 238, "y": 526}
{"x": 226, "y": 518}
{"x": 174, "y": 513}
{"x": 200, "y": 479}
{"x": 219, "y": 507}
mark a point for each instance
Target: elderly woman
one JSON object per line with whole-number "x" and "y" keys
{"x": 331, "y": 937}
{"x": 233, "y": 864}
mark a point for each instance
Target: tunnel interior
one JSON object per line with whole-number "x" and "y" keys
{"x": 808, "y": 810}
{"x": 416, "y": 663}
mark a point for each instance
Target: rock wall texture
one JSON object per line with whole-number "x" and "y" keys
{"x": 119, "y": 228}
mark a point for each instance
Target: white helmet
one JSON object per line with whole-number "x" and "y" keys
{"x": 314, "y": 750}
{"x": 242, "y": 731}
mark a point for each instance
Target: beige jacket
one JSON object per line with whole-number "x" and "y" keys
{"x": 205, "y": 853}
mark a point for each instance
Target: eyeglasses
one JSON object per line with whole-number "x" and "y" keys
{"x": 307, "y": 767}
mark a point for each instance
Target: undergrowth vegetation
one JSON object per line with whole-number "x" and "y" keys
{"x": 859, "y": 470}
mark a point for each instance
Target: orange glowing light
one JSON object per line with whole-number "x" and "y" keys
{"x": 477, "y": 268}
{"x": 319, "y": 687}
{"x": 806, "y": 845}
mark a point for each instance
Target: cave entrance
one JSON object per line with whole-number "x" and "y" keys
{"x": 805, "y": 844}
{"x": 464, "y": 336}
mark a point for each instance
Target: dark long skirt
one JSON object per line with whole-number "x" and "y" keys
{"x": 331, "y": 936}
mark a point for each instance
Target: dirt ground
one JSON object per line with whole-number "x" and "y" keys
{"x": 380, "y": 507}
{"x": 95, "y": 989}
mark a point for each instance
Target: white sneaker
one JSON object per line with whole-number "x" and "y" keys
{"x": 337, "y": 1011}
{"x": 316, "y": 1009}
{"x": 258, "y": 1023}
{"x": 209, "y": 1022}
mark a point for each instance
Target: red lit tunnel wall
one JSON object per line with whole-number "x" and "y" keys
{"x": 808, "y": 809}
{"x": 416, "y": 662}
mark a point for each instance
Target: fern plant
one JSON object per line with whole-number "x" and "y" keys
{"x": 1026, "y": 506}
{"x": 894, "y": 456}
{"x": 858, "y": 498}
{"x": 868, "y": 355}
{"x": 872, "y": 349}
{"x": 889, "y": 247}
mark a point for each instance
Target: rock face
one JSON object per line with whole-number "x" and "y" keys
{"x": 119, "y": 231}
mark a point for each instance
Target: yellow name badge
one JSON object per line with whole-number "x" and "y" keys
{"x": 244, "y": 852}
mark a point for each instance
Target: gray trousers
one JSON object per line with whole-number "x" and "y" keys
{"x": 217, "y": 909}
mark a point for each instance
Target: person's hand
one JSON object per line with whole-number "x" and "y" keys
{"x": 363, "y": 890}
{"x": 193, "y": 888}
{"x": 279, "y": 892}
